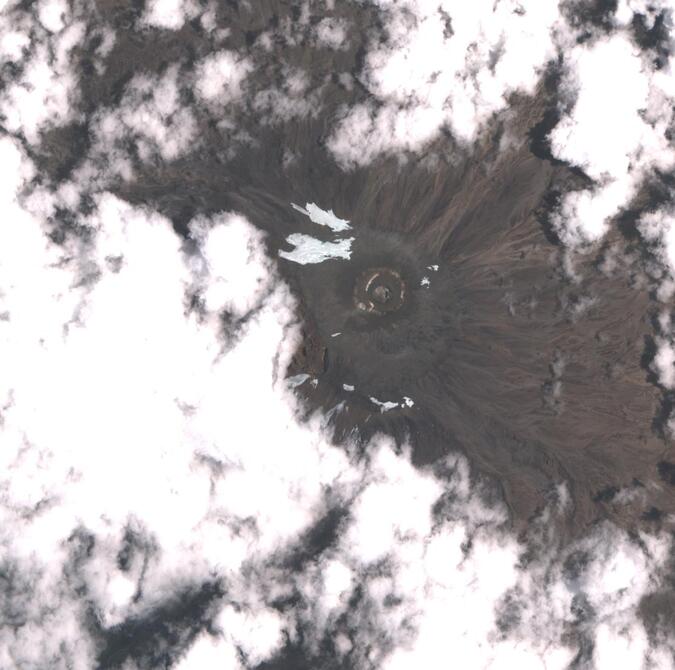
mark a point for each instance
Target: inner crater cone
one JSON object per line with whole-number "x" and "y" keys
{"x": 379, "y": 291}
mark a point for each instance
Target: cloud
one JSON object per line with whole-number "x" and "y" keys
{"x": 152, "y": 114}
{"x": 219, "y": 77}
{"x": 332, "y": 33}
{"x": 615, "y": 132}
{"x": 436, "y": 67}
{"x": 163, "y": 499}
{"x": 441, "y": 66}
{"x": 293, "y": 98}
{"x": 129, "y": 388}
{"x": 45, "y": 88}
{"x": 658, "y": 228}
{"x": 169, "y": 14}
{"x": 210, "y": 652}
{"x": 138, "y": 469}
{"x": 231, "y": 272}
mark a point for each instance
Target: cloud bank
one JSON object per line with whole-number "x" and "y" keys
{"x": 163, "y": 500}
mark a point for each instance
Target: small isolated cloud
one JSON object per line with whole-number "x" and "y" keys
{"x": 150, "y": 113}
{"x": 219, "y": 77}
{"x": 292, "y": 99}
{"x": 169, "y": 14}
{"x": 332, "y": 33}
{"x": 53, "y": 14}
{"x": 256, "y": 634}
{"x": 210, "y": 651}
{"x": 12, "y": 44}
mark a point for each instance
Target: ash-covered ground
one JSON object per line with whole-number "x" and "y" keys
{"x": 337, "y": 335}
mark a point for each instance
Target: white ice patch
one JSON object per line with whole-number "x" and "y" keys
{"x": 425, "y": 281}
{"x": 310, "y": 250}
{"x": 323, "y": 217}
{"x": 348, "y": 387}
{"x": 297, "y": 380}
{"x": 386, "y": 405}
